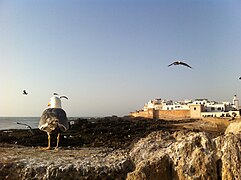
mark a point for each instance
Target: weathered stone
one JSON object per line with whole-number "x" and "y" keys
{"x": 231, "y": 157}
{"x": 190, "y": 156}
{"x": 32, "y": 163}
{"x": 156, "y": 167}
{"x": 234, "y": 128}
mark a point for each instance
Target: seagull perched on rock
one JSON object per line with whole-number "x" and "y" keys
{"x": 54, "y": 118}
{"x": 25, "y": 92}
{"x": 179, "y": 63}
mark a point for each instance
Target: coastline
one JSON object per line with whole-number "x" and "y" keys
{"x": 111, "y": 132}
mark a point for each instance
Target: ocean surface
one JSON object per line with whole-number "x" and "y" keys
{"x": 11, "y": 122}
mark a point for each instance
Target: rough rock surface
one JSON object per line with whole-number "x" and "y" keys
{"x": 186, "y": 155}
{"x": 150, "y": 150}
{"x": 229, "y": 156}
{"x": 234, "y": 128}
{"x": 85, "y": 163}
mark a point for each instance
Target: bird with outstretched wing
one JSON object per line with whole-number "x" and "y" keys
{"x": 180, "y": 63}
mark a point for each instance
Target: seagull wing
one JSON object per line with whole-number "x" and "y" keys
{"x": 172, "y": 64}
{"x": 185, "y": 64}
{"x": 53, "y": 118}
{"x": 64, "y": 97}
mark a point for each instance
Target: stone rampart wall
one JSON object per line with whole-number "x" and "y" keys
{"x": 162, "y": 114}
{"x": 169, "y": 114}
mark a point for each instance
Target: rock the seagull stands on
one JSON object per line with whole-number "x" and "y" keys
{"x": 179, "y": 63}
{"x": 54, "y": 119}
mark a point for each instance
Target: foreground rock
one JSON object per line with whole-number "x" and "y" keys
{"x": 174, "y": 156}
{"x": 20, "y": 163}
{"x": 150, "y": 150}
{"x": 183, "y": 155}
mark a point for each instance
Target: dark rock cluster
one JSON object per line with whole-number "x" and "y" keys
{"x": 114, "y": 132}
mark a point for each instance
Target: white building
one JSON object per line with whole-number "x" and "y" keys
{"x": 175, "y": 106}
{"x": 213, "y": 106}
{"x": 209, "y": 108}
{"x": 235, "y": 102}
{"x": 159, "y": 104}
{"x": 200, "y": 101}
{"x": 153, "y": 104}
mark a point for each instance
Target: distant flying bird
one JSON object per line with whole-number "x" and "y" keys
{"x": 54, "y": 119}
{"x": 24, "y": 92}
{"x": 179, "y": 63}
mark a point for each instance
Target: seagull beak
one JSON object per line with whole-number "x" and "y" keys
{"x": 49, "y": 104}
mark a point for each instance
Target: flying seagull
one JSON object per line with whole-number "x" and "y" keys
{"x": 25, "y": 92}
{"x": 54, "y": 118}
{"x": 179, "y": 63}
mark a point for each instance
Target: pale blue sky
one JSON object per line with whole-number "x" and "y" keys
{"x": 111, "y": 56}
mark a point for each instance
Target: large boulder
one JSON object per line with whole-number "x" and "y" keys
{"x": 174, "y": 156}
{"x": 229, "y": 156}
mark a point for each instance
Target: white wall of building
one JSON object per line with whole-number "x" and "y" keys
{"x": 235, "y": 102}
{"x": 221, "y": 114}
{"x": 209, "y": 108}
{"x": 175, "y": 107}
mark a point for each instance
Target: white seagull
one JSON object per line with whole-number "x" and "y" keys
{"x": 179, "y": 63}
{"x": 54, "y": 118}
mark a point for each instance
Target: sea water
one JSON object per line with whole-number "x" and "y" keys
{"x": 11, "y": 122}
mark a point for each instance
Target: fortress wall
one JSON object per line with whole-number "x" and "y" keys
{"x": 162, "y": 114}
{"x": 145, "y": 114}
{"x": 172, "y": 114}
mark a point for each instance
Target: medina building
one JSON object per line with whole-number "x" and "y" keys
{"x": 199, "y": 108}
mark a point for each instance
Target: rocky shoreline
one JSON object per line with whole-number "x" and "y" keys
{"x": 123, "y": 148}
{"x": 110, "y": 132}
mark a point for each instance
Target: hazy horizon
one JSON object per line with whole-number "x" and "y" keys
{"x": 111, "y": 57}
